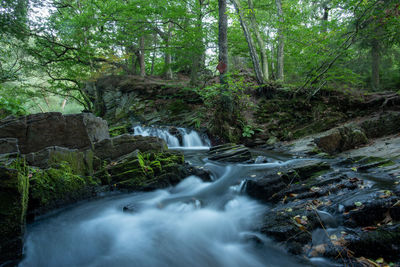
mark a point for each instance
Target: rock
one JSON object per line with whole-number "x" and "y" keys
{"x": 144, "y": 171}
{"x": 273, "y": 186}
{"x": 283, "y": 226}
{"x": 56, "y": 187}
{"x": 341, "y": 139}
{"x": 383, "y": 242}
{"x": 382, "y": 124}
{"x": 126, "y": 143}
{"x": 175, "y": 132}
{"x": 9, "y": 146}
{"x": 38, "y": 131}
{"x": 81, "y": 163}
{"x": 373, "y": 212}
{"x": 229, "y": 153}
{"x": 13, "y": 206}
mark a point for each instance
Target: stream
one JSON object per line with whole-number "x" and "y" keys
{"x": 195, "y": 223}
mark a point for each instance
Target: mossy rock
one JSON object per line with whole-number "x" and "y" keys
{"x": 57, "y": 186}
{"x": 137, "y": 170}
{"x": 14, "y": 188}
{"x": 118, "y": 130}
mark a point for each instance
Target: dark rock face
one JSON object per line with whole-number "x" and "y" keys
{"x": 273, "y": 187}
{"x": 38, "y": 131}
{"x": 13, "y": 205}
{"x": 124, "y": 144}
{"x": 80, "y": 162}
{"x": 229, "y": 153}
{"x": 381, "y": 125}
{"x": 9, "y": 146}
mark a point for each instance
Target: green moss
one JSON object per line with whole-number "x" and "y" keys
{"x": 139, "y": 169}
{"x": 80, "y": 163}
{"x": 14, "y": 187}
{"x": 118, "y": 130}
{"x": 55, "y": 185}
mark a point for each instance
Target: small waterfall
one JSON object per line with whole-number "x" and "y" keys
{"x": 188, "y": 138}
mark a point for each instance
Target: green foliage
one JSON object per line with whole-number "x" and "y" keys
{"x": 10, "y": 106}
{"x": 247, "y": 131}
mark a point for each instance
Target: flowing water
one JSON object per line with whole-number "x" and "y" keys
{"x": 189, "y": 138}
{"x": 195, "y": 223}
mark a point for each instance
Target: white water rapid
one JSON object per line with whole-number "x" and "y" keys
{"x": 195, "y": 223}
{"x": 190, "y": 139}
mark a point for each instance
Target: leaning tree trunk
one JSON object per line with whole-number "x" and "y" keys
{"x": 375, "y": 56}
{"x": 222, "y": 40}
{"x": 281, "y": 44}
{"x": 260, "y": 41}
{"x": 252, "y": 50}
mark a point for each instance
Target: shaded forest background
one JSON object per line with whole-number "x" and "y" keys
{"x": 49, "y": 50}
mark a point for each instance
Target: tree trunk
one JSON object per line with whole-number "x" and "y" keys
{"x": 281, "y": 44}
{"x": 376, "y": 58}
{"x": 252, "y": 50}
{"x": 260, "y": 41}
{"x": 199, "y": 50}
{"x": 222, "y": 40}
{"x": 142, "y": 64}
{"x": 168, "y": 58}
{"x": 325, "y": 18}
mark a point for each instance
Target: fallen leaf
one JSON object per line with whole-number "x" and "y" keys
{"x": 358, "y": 204}
{"x": 315, "y": 189}
{"x": 318, "y": 250}
{"x": 369, "y": 228}
{"x": 284, "y": 200}
{"x": 354, "y": 169}
{"x": 354, "y": 180}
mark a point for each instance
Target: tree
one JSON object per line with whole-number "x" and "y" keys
{"x": 252, "y": 49}
{"x": 281, "y": 42}
{"x": 223, "y": 65}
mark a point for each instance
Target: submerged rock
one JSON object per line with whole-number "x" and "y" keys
{"x": 13, "y": 206}
{"x": 229, "y": 153}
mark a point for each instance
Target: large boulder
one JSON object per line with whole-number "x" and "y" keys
{"x": 13, "y": 205}
{"x": 121, "y": 145}
{"x": 341, "y": 139}
{"x": 81, "y": 162}
{"x": 144, "y": 171}
{"x": 38, "y": 131}
{"x": 57, "y": 187}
